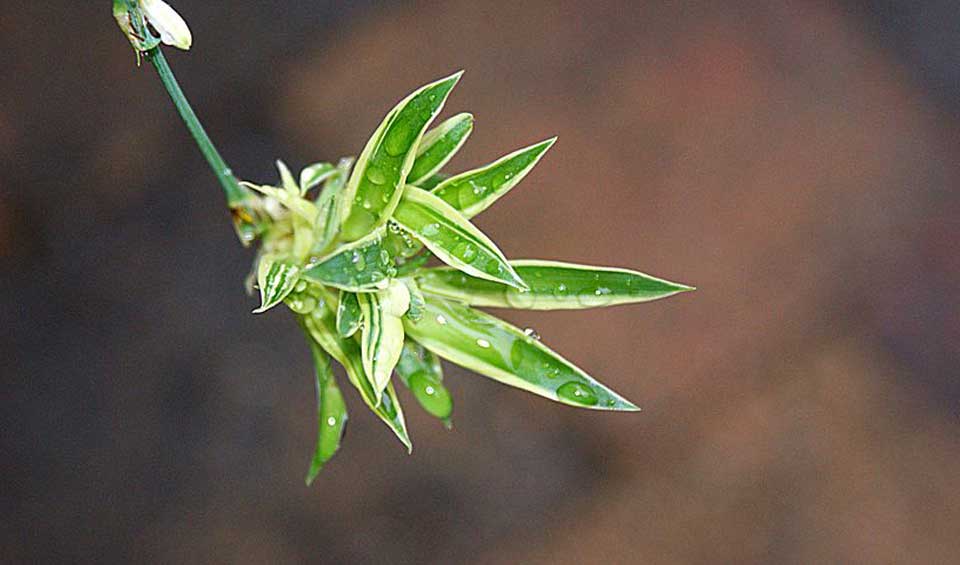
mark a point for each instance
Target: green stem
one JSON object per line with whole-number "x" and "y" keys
{"x": 236, "y": 194}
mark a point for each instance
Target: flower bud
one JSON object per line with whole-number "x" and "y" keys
{"x": 173, "y": 30}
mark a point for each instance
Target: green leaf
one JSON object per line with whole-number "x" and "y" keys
{"x": 439, "y": 145}
{"x": 419, "y": 369}
{"x": 474, "y": 191}
{"x": 314, "y": 175}
{"x": 286, "y": 178}
{"x": 381, "y": 336}
{"x": 417, "y": 302}
{"x": 358, "y": 266}
{"x": 328, "y": 220}
{"x": 292, "y": 201}
{"x": 496, "y": 349}
{"x": 276, "y": 280}
{"x": 452, "y": 238}
{"x": 553, "y": 286}
{"x": 322, "y": 328}
{"x": 331, "y": 411}
{"x": 348, "y": 314}
{"x": 432, "y": 182}
{"x": 378, "y": 179}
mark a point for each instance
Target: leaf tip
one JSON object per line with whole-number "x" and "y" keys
{"x": 312, "y": 474}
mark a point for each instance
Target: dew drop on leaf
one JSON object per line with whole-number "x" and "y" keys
{"x": 376, "y": 176}
{"x": 577, "y": 393}
{"x": 465, "y": 251}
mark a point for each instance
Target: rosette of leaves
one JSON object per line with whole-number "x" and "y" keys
{"x": 347, "y": 248}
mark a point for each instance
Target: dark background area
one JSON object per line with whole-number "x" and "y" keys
{"x": 797, "y": 161}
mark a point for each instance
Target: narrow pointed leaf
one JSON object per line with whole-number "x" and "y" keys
{"x": 452, "y": 238}
{"x": 348, "y": 314}
{"x": 553, "y": 286}
{"x": 496, "y": 349}
{"x": 378, "y": 178}
{"x": 287, "y": 180}
{"x": 419, "y": 369}
{"x": 314, "y": 175}
{"x": 474, "y": 191}
{"x": 439, "y": 145}
{"x": 276, "y": 280}
{"x": 381, "y": 336}
{"x": 328, "y": 221}
{"x": 292, "y": 201}
{"x": 331, "y": 411}
{"x": 321, "y": 325}
{"x": 359, "y": 266}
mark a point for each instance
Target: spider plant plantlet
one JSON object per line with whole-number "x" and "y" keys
{"x": 345, "y": 248}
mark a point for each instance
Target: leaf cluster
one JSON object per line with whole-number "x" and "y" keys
{"x": 347, "y": 248}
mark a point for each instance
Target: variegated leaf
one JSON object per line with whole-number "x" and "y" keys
{"x": 276, "y": 279}
{"x": 474, "y": 191}
{"x": 331, "y": 411}
{"x": 553, "y": 286}
{"x": 381, "y": 171}
{"x": 452, "y": 238}
{"x": 321, "y": 325}
{"x": 381, "y": 336}
{"x": 359, "y": 266}
{"x": 314, "y": 175}
{"x": 349, "y": 316}
{"x": 439, "y": 145}
{"x": 496, "y": 349}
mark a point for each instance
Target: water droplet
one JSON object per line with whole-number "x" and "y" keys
{"x": 578, "y": 393}
{"x": 532, "y": 333}
{"x": 367, "y": 205}
{"x": 384, "y": 257}
{"x": 494, "y": 268}
{"x": 441, "y": 320}
{"x": 376, "y": 176}
{"x": 331, "y": 421}
{"x": 465, "y": 251}
{"x": 301, "y": 286}
{"x": 303, "y": 305}
{"x": 431, "y": 230}
{"x": 483, "y": 343}
{"x": 430, "y": 390}
{"x": 602, "y": 291}
{"x": 358, "y": 261}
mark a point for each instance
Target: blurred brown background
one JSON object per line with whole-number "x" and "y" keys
{"x": 797, "y": 161}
